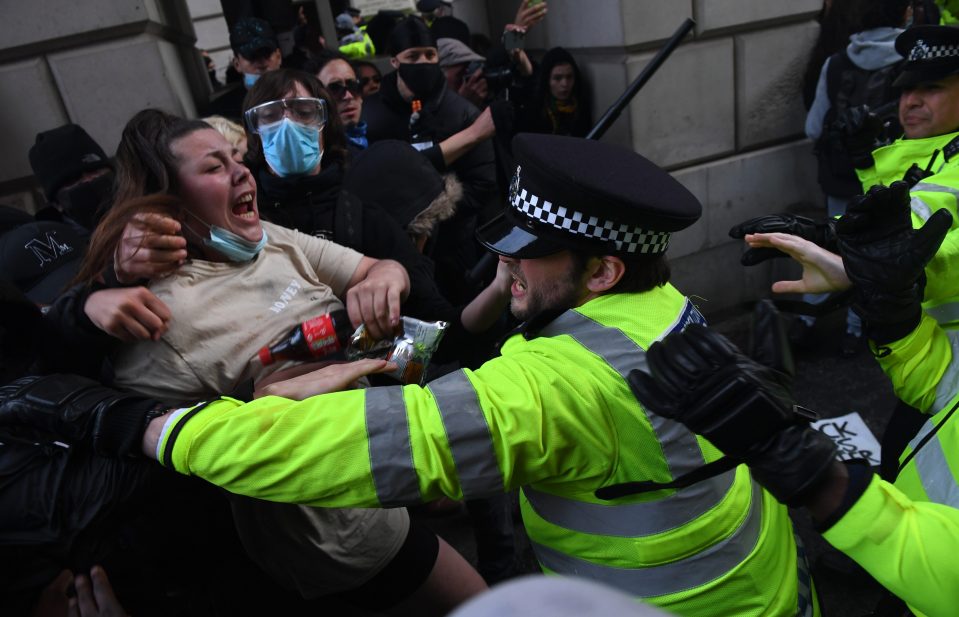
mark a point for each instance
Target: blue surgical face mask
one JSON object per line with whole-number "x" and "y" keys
{"x": 249, "y": 79}
{"x": 290, "y": 148}
{"x": 228, "y": 244}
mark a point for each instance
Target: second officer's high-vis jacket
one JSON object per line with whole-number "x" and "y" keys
{"x": 940, "y": 190}
{"x": 553, "y": 415}
{"x": 924, "y": 370}
{"x": 906, "y": 542}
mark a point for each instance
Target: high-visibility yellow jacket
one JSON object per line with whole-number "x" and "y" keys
{"x": 357, "y": 45}
{"x": 940, "y": 190}
{"x": 924, "y": 369}
{"x": 554, "y": 415}
{"x": 908, "y": 546}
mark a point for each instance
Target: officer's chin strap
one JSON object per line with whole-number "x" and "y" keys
{"x": 704, "y": 472}
{"x": 709, "y": 470}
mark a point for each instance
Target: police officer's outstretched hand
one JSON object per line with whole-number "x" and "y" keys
{"x": 821, "y": 233}
{"x": 885, "y": 258}
{"x": 744, "y": 408}
{"x": 77, "y": 411}
{"x": 859, "y": 129}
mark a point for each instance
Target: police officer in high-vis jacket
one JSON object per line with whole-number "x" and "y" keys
{"x": 584, "y": 237}
{"x": 906, "y": 534}
{"x": 927, "y": 155}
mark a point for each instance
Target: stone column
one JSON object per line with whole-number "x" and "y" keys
{"x": 93, "y": 63}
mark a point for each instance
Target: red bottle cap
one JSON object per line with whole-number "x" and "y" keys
{"x": 265, "y": 356}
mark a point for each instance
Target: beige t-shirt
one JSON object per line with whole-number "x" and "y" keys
{"x": 223, "y": 313}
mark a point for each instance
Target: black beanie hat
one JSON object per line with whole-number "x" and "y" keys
{"x": 411, "y": 32}
{"x": 62, "y": 155}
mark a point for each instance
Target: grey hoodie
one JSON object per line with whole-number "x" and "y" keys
{"x": 870, "y": 50}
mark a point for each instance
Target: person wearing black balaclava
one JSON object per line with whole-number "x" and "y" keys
{"x": 76, "y": 176}
{"x": 414, "y": 105}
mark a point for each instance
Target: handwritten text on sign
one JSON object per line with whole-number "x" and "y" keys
{"x": 852, "y": 436}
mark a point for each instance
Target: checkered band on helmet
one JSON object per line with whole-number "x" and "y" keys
{"x": 923, "y": 51}
{"x": 627, "y": 238}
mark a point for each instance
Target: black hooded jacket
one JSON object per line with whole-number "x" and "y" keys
{"x": 319, "y": 206}
{"x": 446, "y": 113}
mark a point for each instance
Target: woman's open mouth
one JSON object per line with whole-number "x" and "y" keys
{"x": 244, "y": 207}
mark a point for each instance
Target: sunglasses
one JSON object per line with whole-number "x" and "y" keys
{"x": 339, "y": 88}
{"x": 365, "y": 80}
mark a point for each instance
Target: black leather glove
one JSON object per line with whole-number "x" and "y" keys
{"x": 859, "y": 130}
{"x": 822, "y": 232}
{"x": 744, "y": 408}
{"x": 76, "y": 410}
{"x": 885, "y": 258}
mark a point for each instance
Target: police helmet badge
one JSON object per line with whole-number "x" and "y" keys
{"x": 514, "y": 185}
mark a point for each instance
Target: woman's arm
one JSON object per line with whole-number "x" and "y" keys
{"x": 374, "y": 294}
{"x": 488, "y": 305}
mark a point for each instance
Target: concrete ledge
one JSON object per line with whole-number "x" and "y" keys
{"x": 686, "y": 112}
{"x": 648, "y": 21}
{"x": 741, "y": 187}
{"x": 26, "y": 23}
{"x": 769, "y": 71}
{"x": 30, "y": 103}
{"x": 718, "y": 15}
{"x": 104, "y": 85}
{"x": 204, "y": 8}
{"x": 212, "y": 33}
{"x": 715, "y": 281}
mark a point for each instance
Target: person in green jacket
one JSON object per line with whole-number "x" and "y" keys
{"x": 584, "y": 238}
{"x": 906, "y": 534}
{"x": 925, "y": 157}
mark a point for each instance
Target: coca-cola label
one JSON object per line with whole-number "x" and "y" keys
{"x": 321, "y": 336}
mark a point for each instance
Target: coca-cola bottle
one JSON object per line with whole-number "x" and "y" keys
{"x": 314, "y": 338}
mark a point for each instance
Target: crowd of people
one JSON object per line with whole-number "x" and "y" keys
{"x": 649, "y": 453}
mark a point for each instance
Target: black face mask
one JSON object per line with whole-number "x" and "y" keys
{"x": 422, "y": 78}
{"x": 82, "y": 201}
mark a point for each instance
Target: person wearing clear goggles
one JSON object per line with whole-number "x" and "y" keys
{"x": 291, "y": 132}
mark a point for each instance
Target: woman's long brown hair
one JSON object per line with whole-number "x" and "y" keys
{"x": 106, "y": 237}
{"x": 146, "y": 182}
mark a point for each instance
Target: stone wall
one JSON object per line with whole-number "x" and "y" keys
{"x": 724, "y": 113}
{"x": 91, "y": 63}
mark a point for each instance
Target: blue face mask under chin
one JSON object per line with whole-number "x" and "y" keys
{"x": 249, "y": 79}
{"x": 228, "y": 244}
{"x": 290, "y": 148}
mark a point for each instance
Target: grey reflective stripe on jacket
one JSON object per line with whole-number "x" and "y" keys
{"x": 391, "y": 453}
{"x": 469, "y": 436}
{"x": 632, "y": 520}
{"x": 944, "y": 314}
{"x": 931, "y": 187}
{"x": 682, "y": 454}
{"x": 920, "y": 208}
{"x": 681, "y": 575}
{"x": 930, "y": 461}
{"x": 680, "y": 448}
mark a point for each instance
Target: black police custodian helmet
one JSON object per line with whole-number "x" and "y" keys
{"x": 579, "y": 194}
{"x": 931, "y": 53}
